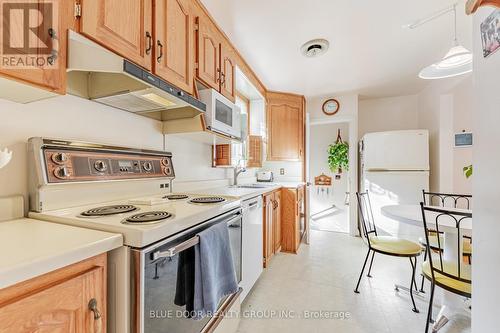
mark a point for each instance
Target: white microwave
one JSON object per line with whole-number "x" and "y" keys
{"x": 222, "y": 115}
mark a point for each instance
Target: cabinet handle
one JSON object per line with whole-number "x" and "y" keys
{"x": 223, "y": 81}
{"x": 97, "y": 315}
{"x": 217, "y": 79}
{"x": 52, "y": 33}
{"x": 160, "y": 48}
{"x": 149, "y": 42}
{"x": 52, "y": 58}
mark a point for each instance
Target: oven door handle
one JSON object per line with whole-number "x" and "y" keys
{"x": 174, "y": 250}
{"x": 215, "y": 321}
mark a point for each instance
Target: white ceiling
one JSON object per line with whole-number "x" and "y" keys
{"x": 370, "y": 53}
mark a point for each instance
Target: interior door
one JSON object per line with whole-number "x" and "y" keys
{"x": 123, "y": 26}
{"x": 228, "y": 66}
{"x": 174, "y": 43}
{"x": 208, "y": 62}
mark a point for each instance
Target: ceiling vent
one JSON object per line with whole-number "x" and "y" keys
{"x": 315, "y": 48}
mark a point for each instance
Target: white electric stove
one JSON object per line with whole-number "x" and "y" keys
{"x": 129, "y": 191}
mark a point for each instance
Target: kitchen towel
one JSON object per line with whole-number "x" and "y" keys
{"x": 184, "y": 290}
{"x": 215, "y": 277}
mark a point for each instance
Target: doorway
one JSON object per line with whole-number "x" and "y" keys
{"x": 329, "y": 200}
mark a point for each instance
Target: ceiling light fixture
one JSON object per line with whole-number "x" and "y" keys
{"x": 457, "y": 61}
{"x": 315, "y": 47}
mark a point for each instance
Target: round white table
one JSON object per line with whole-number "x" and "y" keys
{"x": 412, "y": 214}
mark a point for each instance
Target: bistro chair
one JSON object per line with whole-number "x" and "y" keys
{"x": 452, "y": 275}
{"x": 386, "y": 245}
{"x": 444, "y": 200}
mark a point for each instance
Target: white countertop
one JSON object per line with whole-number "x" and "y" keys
{"x": 30, "y": 248}
{"x": 247, "y": 193}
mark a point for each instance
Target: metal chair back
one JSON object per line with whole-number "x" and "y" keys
{"x": 450, "y": 200}
{"x": 437, "y": 264}
{"x": 366, "y": 214}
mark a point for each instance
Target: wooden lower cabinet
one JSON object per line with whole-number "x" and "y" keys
{"x": 57, "y": 302}
{"x": 272, "y": 225}
{"x": 293, "y": 219}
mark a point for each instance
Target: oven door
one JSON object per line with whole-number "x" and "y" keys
{"x": 158, "y": 280}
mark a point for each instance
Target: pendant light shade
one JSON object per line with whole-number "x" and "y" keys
{"x": 457, "y": 61}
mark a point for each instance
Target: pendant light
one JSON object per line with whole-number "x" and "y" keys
{"x": 457, "y": 61}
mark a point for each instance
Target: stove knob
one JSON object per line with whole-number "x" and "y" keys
{"x": 167, "y": 171}
{"x": 100, "y": 166}
{"x": 165, "y": 162}
{"x": 148, "y": 166}
{"x": 61, "y": 173}
{"x": 59, "y": 158}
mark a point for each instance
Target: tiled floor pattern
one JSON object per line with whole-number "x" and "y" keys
{"x": 322, "y": 278}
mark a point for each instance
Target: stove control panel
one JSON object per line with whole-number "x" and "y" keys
{"x": 67, "y": 165}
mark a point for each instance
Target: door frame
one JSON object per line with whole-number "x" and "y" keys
{"x": 353, "y": 162}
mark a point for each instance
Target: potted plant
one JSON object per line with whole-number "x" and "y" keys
{"x": 468, "y": 171}
{"x": 338, "y": 156}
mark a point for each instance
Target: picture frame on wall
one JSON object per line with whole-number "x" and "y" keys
{"x": 490, "y": 33}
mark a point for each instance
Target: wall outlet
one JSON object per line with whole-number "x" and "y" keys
{"x": 282, "y": 171}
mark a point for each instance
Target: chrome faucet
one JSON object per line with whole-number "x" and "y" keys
{"x": 237, "y": 170}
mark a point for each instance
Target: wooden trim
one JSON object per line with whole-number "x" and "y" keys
{"x": 472, "y": 5}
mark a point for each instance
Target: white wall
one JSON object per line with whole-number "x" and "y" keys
{"x": 486, "y": 184}
{"x": 348, "y": 113}
{"x": 445, "y": 107}
{"x": 70, "y": 117}
{"x": 321, "y": 137}
{"x": 388, "y": 114}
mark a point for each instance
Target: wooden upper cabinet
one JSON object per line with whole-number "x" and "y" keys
{"x": 123, "y": 26}
{"x": 228, "y": 67}
{"x": 208, "y": 61}
{"x": 174, "y": 60}
{"x": 285, "y": 125}
{"x": 50, "y": 77}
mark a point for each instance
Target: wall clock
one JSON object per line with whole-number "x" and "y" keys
{"x": 331, "y": 107}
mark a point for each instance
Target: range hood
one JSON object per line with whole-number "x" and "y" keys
{"x": 104, "y": 77}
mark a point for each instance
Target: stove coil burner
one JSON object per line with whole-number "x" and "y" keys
{"x": 109, "y": 210}
{"x": 147, "y": 217}
{"x": 207, "y": 200}
{"x": 176, "y": 196}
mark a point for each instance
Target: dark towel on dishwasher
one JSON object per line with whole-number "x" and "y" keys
{"x": 184, "y": 290}
{"x": 215, "y": 276}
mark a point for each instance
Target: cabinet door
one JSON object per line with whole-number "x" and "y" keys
{"x": 228, "y": 66}
{"x": 174, "y": 59}
{"x": 123, "y": 26}
{"x": 277, "y": 222}
{"x": 50, "y": 48}
{"x": 208, "y": 63}
{"x": 285, "y": 121}
{"x": 62, "y": 308}
{"x": 268, "y": 229}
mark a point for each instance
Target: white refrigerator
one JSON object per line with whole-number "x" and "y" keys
{"x": 395, "y": 170}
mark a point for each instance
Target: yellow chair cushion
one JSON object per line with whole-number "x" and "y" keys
{"x": 466, "y": 247}
{"x": 395, "y": 246}
{"x": 447, "y": 282}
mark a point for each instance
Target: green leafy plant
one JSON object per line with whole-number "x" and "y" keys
{"x": 338, "y": 156}
{"x": 468, "y": 171}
